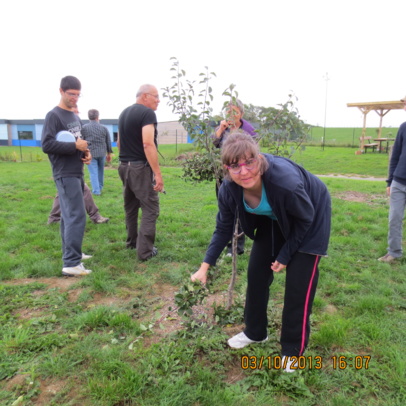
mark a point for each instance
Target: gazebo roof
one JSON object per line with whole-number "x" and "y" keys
{"x": 384, "y": 105}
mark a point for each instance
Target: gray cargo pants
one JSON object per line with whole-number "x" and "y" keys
{"x": 138, "y": 194}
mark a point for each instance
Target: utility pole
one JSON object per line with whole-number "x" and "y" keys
{"x": 326, "y": 78}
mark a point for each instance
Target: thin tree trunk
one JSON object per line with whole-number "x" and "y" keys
{"x": 236, "y": 236}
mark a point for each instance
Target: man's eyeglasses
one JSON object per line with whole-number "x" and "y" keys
{"x": 73, "y": 95}
{"x": 250, "y": 164}
{"x": 154, "y": 95}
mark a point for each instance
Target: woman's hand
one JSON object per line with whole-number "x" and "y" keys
{"x": 201, "y": 273}
{"x": 277, "y": 266}
{"x": 223, "y": 127}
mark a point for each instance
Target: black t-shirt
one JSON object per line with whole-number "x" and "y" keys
{"x": 65, "y": 158}
{"x": 130, "y": 124}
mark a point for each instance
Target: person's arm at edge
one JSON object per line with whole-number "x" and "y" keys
{"x": 394, "y": 160}
{"x": 151, "y": 153}
{"x": 108, "y": 145}
{"x": 218, "y": 241}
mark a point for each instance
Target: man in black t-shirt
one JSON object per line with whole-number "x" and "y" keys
{"x": 67, "y": 160}
{"x": 139, "y": 170}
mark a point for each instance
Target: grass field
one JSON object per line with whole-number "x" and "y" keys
{"x": 328, "y": 160}
{"x": 115, "y": 337}
{"x": 348, "y": 137}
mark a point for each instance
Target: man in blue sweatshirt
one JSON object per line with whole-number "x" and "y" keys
{"x": 396, "y": 189}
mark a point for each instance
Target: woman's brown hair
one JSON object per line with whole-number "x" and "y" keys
{"x": 240, "y": 145}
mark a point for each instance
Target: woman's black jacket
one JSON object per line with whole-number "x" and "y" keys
{"x": 300, "y": 201}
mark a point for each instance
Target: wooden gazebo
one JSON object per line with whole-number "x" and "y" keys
{"x": 381, "y": 108}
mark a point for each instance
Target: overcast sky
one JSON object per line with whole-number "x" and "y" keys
{"x": 267, "y": 48}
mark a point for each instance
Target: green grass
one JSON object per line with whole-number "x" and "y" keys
{"x": 110, "y": 338}
{"x": 342, "y": 161}
{"x": 335, "y": 157}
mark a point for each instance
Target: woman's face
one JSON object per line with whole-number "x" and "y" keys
{"x": 233, "y": 116}
{"x": 249, "y": 176}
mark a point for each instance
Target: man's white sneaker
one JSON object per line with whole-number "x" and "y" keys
{"x": 241, "y": 340}
{"x": 287, "y": 364}
{"x": 84, "y": 256}
{"x": 77, "y": 270}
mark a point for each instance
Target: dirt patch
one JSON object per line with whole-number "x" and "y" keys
{"x": 234, "y": 373}
{"x": 15, "y": 382}
{"x": 355, "y": 177}
{"x": 161, "y": 303}
{"x": 331, "y": 309}
{"x": 170, "y": 321}
{"x": 73, "y": 295}
{"x": 48, "y": 390}
{"x": 63, "y": 283}
{"x": 352, "y": 196}
{"x": 28, "y": 314}
{"x": 100, "y": 300}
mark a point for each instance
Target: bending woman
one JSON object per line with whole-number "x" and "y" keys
{"x": 286, "y": 211}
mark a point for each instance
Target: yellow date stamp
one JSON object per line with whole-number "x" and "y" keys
{"x": 302, "y": 362}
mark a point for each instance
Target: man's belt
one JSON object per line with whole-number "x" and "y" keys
{"x": 129, "y": 163}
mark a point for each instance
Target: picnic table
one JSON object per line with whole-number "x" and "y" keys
{"x": 381, "y": 141}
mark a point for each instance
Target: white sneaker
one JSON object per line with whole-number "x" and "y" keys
{"x": 289, "y": 363}
{"x": 77, "y": 270}
{"x": 84, "y": 256}
{"x": 241, "y": 340}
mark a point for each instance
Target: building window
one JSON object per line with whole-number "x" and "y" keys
{"x": 115, "y": 136}
{"x": 25, "y": 135}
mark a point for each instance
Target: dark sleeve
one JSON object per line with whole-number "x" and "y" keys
{"x": 396, "y": 152}
{"x": 217, "y": 141}
{"x": 300, "y": 210}
{"x": 149, "y": 117}
{"x": 224, "y": 228}
{"x": 108, "y": 142}
{"x": 49, "y": 143}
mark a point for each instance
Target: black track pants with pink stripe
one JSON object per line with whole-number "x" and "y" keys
{"x": 300, "y": 288}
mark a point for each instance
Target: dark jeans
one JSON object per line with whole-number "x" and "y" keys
{"x": 300, "y": 288}
{"x": 90, "y": 206}
{"x": 73, "y": 219}
{"x": 139, "y": 194}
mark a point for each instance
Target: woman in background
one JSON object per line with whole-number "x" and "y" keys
{"x": 234, "y": 122}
